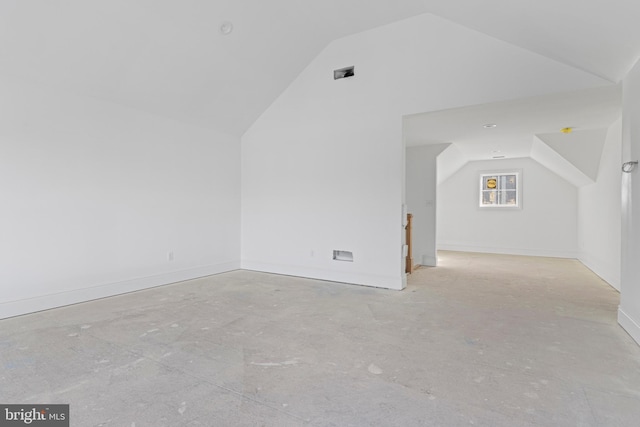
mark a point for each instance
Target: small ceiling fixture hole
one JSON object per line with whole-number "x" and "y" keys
{"x": 226, "y": 28}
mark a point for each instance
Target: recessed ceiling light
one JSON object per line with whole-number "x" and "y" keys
{"x": 226, "y": 28}
{"x": 489, "y": 125}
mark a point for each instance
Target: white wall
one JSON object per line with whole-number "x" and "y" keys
{"x": 545, "y": 226}
{"x": 629, "y": 312}
{"x": 95, "y": 195}
{"x": 449, "y": 162}
{"x": 421, "y": 184}
{"x": 323, "y": 167}
{"x": 599, "y": 220}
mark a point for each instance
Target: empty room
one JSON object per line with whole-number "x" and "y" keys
{"x": 294, "y": 213}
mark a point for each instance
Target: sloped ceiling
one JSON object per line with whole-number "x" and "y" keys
{"x": 516, "y": 122}
{"x": 582, "y": 148}
{"x": 600, "y": 37}
{"x": 527, "y": 128}
{"x": 168, "y": 57}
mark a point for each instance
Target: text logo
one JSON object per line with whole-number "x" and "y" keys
{"x": 34, "y": 415}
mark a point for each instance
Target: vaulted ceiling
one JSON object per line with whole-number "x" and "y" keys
{"x": 529, "y": 127}
{"x": 597, "y": 36}
{"x": 170, "y": 58}
{"x": 516, "y": 122}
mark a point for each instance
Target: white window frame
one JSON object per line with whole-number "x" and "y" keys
{"x": 497, "y": 174}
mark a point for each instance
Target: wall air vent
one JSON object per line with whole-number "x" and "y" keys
{"x": 343, "y": 256}
{"x": 343, "y": 73}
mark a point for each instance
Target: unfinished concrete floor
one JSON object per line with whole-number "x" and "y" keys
{"x": 481, "y": 340}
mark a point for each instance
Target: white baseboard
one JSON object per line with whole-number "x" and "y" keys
{"x": 630, "y": 325}
{"x": 606, "y": 272}
{"x": 45, "y": 302}
{"x": 429, "y": 261}
{"x": 364, "y": 279}
{"x": 507, "y": 251}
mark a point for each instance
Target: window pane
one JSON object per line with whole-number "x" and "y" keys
{"x": 489, "y": 197}
{"x": 490, "y": 183}
{"x": 502, "y": 198}
{"x": 510, "y": 197}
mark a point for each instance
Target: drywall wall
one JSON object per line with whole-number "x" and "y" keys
{"x": 629, "y": 311}
{"x": 449, "y": 162}
{"x": 544, "y": 226}
{"x": 97, "y": 198}
{"x": 323, "y": 167}
{"x": 599, "y": 216}
{"x": 421, "y": 184}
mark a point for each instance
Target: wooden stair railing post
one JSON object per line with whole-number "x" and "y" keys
{"x": 409, "y": 259}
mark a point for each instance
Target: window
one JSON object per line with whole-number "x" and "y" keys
{"x": 500, "y": 190}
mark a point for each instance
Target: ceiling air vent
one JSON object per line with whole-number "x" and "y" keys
{"x": 344, "y": 73}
